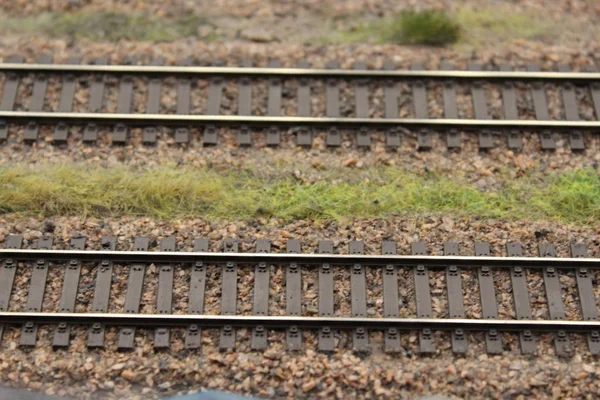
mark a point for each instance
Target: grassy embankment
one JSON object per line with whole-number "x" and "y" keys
{"x": 169, "y": 193}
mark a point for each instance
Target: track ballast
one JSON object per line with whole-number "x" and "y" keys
{"x": 16, "y": 261}
{"x": 337, "y": 119}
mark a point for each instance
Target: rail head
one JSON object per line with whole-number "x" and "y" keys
{"x": 307, "y": 259}
{"x": 265, "y": 121}
{"x": 299, "y": 72}
{"x": 213, "y": 321}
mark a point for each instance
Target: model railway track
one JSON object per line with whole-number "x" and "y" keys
{"x": 14, "y": 261}
{"x": 335, "y": 122}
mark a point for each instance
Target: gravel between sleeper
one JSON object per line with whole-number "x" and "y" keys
{"x": 145, "y": 373}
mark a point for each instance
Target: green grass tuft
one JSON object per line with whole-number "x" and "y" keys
{"x": 431, "y": 28}
{"x": 170, "y": 193}
{"x": 463, "y": 25}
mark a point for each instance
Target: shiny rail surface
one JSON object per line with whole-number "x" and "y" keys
{"x": 297, "y": 72}
{"x": 241, "y": 321}
{"x": 280, "y": 258}
{"x": 236, "y": 120}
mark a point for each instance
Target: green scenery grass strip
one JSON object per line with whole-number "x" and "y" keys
{"x": 457, "y": 25}
{"x": 105, "y": 26}
{"x": 169, "y": 193}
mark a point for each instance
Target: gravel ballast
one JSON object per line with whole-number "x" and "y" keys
{"x": 144, "y": 372}
{"x": 147, "y": 373}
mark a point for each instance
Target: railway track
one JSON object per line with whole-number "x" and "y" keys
{"x": 99, "y": 266}
{"x": 376, "y": 103}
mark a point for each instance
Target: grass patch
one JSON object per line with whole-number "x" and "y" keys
{"x": 105, "y": 26}
{"x": 440, "y": 28}
{"x": 169, "y": 193}
{"x": 502, "y": 23}
{"x": 574, "y": 197}
{"x": 431, "y": 28}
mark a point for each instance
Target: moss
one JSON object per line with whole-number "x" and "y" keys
{"x": 169, "y": 192}
{"x": 106, "y": 26}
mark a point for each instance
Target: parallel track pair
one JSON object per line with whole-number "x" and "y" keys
{"x": 15, "y": 261}
{"x": 304, "y": 124}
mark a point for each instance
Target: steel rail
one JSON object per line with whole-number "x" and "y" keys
{"x": 299, "y": 72}
{"x": 141, "y": 257}
{"x": 153, "y": 320}
{"x": 182, "y": 120}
